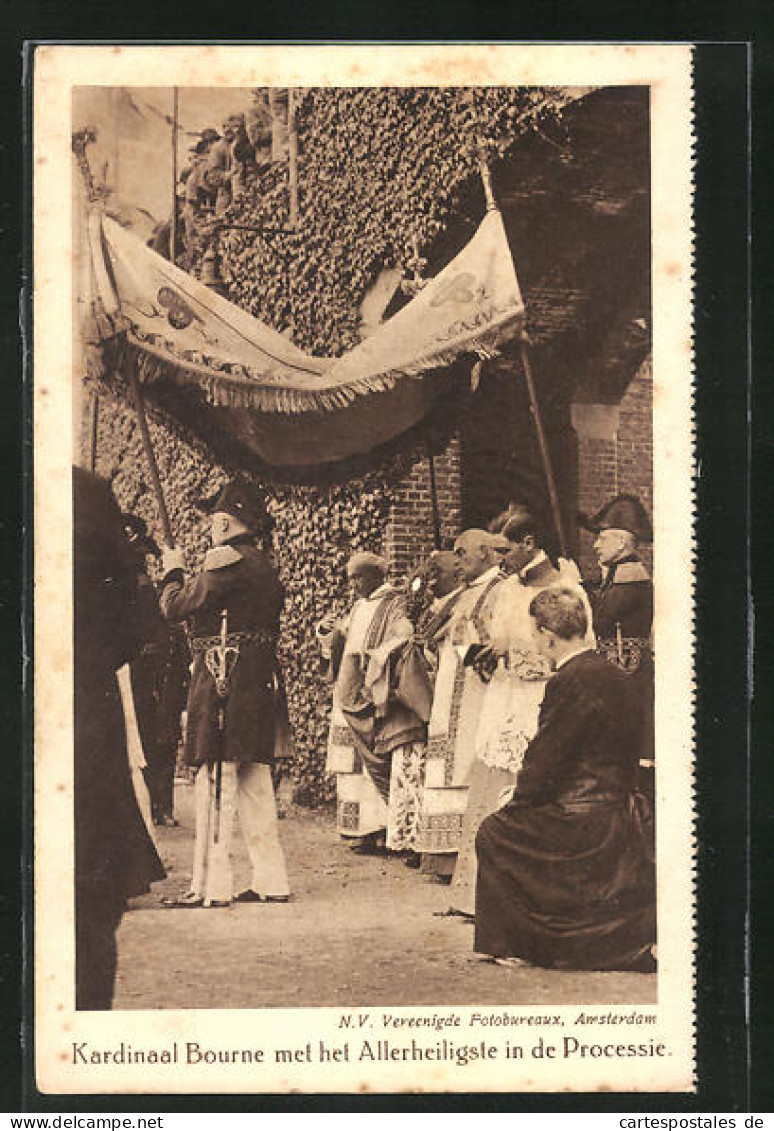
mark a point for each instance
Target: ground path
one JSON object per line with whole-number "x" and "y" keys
{"x": 359, "y": 931}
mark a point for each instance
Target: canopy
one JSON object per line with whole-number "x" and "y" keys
{"x": 289, "y": 407}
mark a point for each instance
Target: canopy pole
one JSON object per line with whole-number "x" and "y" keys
{"x": 94, "y": 431}
{"x": 542, "y": 443}
{"x": 486, "y": 177}
{"x": 434, "y": 501}
{"x": 491, "y": 205}
{"x": 173, "y": 223}
{"x": 150, "y": 455}
{"x": 88, "y": 425}
{"x": 80, "y": 140}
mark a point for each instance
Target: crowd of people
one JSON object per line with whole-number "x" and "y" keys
{"x": 491, "y": 721}
{"x": 220, "y": 165}
{"x": 494, "y": 722}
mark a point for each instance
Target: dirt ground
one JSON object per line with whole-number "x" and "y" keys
{"x": 358, "y": 931}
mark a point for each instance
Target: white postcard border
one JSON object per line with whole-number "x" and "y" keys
{"x": 667, "y": 70}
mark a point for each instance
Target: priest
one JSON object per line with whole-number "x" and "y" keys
{"x": 376, "y": 744}
{"x": 457, "y": 700}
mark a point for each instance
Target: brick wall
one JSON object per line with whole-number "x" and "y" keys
{"x": 409, "y": 537}
{"x": 597, "y": 481}
{"x": 615, "y": 455}
{"x": 635, "y": 437}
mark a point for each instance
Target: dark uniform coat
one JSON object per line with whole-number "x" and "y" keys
{"x": 565, "y": 869}
{"x": 159, "y": 683}
{"x": 625, "y": 599}
{"x": 623, "y": 618}
{"x": 239, "y": 578}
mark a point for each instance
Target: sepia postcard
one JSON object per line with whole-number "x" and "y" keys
{"x": 363, "y": 541}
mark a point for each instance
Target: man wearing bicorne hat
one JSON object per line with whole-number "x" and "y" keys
{"x": 376, "y": 743}
{"x": 232, "y": 609}
{"x": 622, "y": 603}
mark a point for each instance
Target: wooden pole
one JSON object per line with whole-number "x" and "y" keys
{"x": 80, "y": 141}
{"x": 486, "y": 178}
{"x": 94, "y": 432}
{"x": 173, "y": 223}
{"x": 150, "y": 455}
{"x": 491, "y": 205}
{"x": 434, "y": 502}
{"x": 115, "y": 96}
{"x": 85, "y": 402}
{"x": 292, "y": 158}
{"x": 543, "y": 444}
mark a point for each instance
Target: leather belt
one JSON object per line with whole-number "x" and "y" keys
{"x": 263, "y": 636}
{"x": 626, "y": 653}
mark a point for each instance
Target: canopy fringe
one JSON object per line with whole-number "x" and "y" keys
{"x": 239, "y": 390}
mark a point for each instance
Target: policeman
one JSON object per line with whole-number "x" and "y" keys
{"x": 623, "y": 608}
{"x": 623, "y": 602}
{"x": 232, "y": 608}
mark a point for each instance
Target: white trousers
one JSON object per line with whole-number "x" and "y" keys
{"x": 246, "y": 788}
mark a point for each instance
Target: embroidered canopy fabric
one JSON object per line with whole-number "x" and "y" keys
{"x": 289, "y": 407}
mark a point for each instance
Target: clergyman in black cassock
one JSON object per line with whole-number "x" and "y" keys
{"x": 565, "y": 869}
{"x": 115, "y": 857}
{"x": 159, "y": 675}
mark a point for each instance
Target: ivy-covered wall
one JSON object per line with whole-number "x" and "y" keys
{"x": 387, "y": 178}
{"x": 381, "y": 174}
{"x": 317, "y": 529}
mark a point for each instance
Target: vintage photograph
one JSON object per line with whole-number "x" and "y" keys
{"x": 376, "y": 424}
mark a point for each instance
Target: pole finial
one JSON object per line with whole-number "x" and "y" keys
{"x": 480, "y": 149}
{"x": 81, "y": 140}
{"x": 486, "y": 176}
